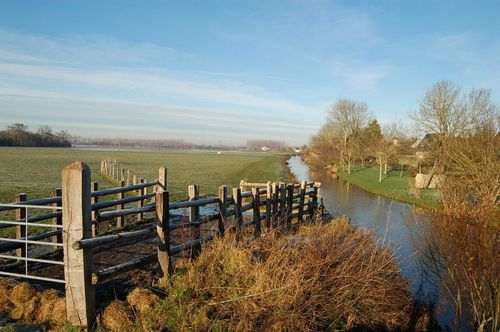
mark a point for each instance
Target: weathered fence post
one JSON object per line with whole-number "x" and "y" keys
{"x": 289, "y": 204}
{"x": 282, "y": 208}
{"x": 128, "y": 176}
{"x": 162, "y": 228}
{"x": 93, "y": 200}
{"x": 162, "y": 179}
{"x": 140, "y": 203}
{"x": 222, "y": 209}
{"x": 269, "y": 197}
{"x": 80, "y": 295}
{"x": 58, "y": 219}
{"x": 314, "y": 200}
{"x": 194, "y": 216}
{"x": 276, "y": 196}
{"x": 238, "y": 216}
{"x": 256, "y": 211}
{"x": 302, "y": 197}
{"x": 21, "y": 229}
{"x": 120, "y": 221}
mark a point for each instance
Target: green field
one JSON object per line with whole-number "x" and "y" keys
{"x": 392, "y": 186}
{"x": 37, "y": 171}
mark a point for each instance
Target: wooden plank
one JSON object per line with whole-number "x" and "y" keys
{"x": 222, "y": 209}
{"x": 194, "y": 215}
{"x": 80, "y": 294}
{"x": 162, "y": 228}
{"x": 57, "y": 220}
{"x": 256, "y": 212}
{"x": 21, "y": 230}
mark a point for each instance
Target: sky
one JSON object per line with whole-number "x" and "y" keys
{"x": 228, "y": 71}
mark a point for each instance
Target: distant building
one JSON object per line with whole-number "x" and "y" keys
{"x": 297, "y": 150}
{"x": 264, "y": 148}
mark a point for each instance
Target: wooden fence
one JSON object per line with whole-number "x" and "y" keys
{"x": 85, "y": 208}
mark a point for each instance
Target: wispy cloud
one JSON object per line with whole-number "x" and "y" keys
{"x": 36, "y": 68}
{"x": 358, "y": 74}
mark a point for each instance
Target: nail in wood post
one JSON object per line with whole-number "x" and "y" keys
{"x": 269, "y": 197}
{"x": 120, "y": 221}
{"x": 275, "y": 212}
{"x": 222, "y": 209}
{"x": 21, "y": 229}
{"x": 80, "y": 294}
{"x": 237, "y": 208}
{"x": 301, "y": 201}
{"x": 162, "y": 228}
{"x": 289, "y": 204}
{"x": 94, "y": 213}
{"x": 256, "y": 211}
{"x": 194, "y": 216}
{"x": 58, "y": 219}
{"x": 140, "y": 203}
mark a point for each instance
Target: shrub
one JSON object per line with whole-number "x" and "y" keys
{"x": 324, "y": 276}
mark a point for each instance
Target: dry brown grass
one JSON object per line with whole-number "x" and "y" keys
{"x": 325, "y": 276}
{"x": 117, "y": 316}
{"x": 27, "y": 303}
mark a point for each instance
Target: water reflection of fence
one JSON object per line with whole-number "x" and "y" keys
{"x": 85, "y": 209}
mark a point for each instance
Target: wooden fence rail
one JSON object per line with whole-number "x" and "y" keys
{"x": 264, "y": 206}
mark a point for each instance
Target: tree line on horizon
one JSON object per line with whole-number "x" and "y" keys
{"x": 17, "y": 134}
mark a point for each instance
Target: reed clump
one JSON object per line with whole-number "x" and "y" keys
{"x": 323, "y": 276}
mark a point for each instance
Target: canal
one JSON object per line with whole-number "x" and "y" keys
{"x": 397, "y": 224}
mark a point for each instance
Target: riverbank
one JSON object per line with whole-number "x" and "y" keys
{"x": 394, "y": 186}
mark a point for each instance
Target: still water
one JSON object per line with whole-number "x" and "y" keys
{"x": 396, "y": 223}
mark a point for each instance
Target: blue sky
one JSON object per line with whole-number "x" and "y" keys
{"x": 210, "y": 71}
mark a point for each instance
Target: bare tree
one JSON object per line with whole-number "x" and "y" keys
{"x": 444, "y": 112}
{"x": 348, "y": 117}
{"x": 44, "y": 130}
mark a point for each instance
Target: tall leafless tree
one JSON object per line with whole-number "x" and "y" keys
{"x": 348, "y": 117}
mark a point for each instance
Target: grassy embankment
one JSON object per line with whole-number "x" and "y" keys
{"x": 37, "y": 171}
{"x": 392, "y": 186}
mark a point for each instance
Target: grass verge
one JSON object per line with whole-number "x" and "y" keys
{"x": 392, "y": 186}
